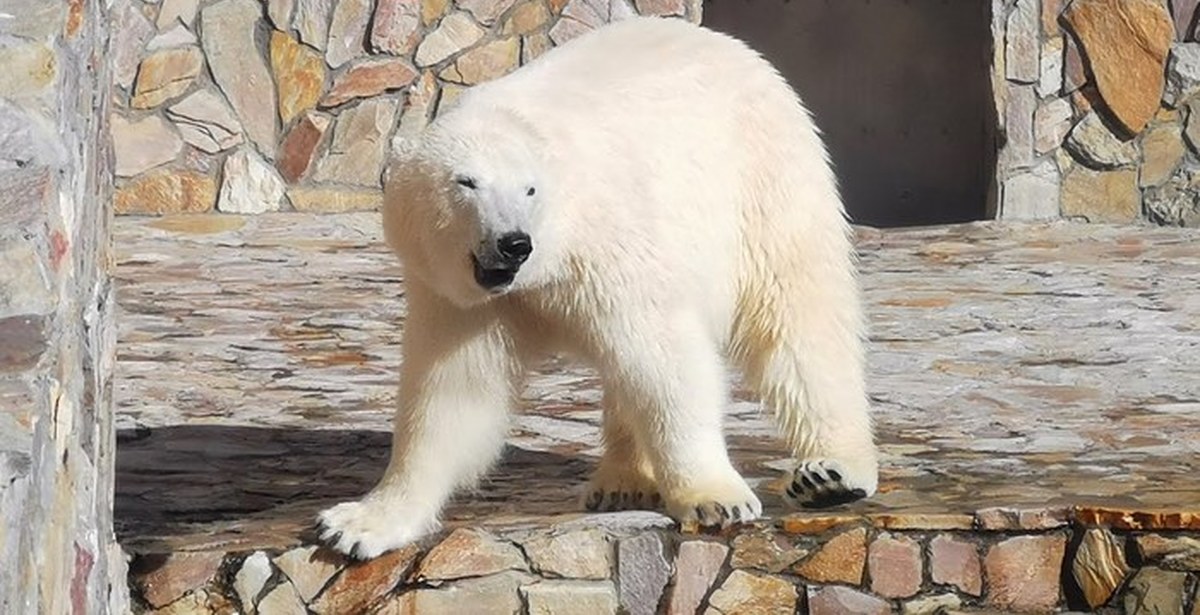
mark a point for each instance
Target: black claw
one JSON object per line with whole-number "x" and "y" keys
{"x": 722, "y": 511}
{"x": 820, "y": 480}
{"x": 637, "y": 497}
{"x": 593, "y": 500}
{"x": 612, "y": 502}
{"x": 624, "y": 498}
{"x": 835, "y": 475}
{"x": 655, "y": 500}
{"x": 699, "y": 515}
{"x": 737, "y": 513}
{"x": 791, "y": 492}
{"x": 835, "y": 498}
{"x": 333, "y": 540}
{"x": 807, "y": 481}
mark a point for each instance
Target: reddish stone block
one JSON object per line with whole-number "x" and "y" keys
{"x": 955, "y": 562}
{"x": 1051, "y": 9}
{"x": 164, "y": 580}
{"x": 84, "y": 560}
{"x": 299, "y": 148}
{"x": 806, "y": 524}
{"x": 362, "y": 584}
{"x": 369, "y": 78}
{"x": 469, "y": 553}
{"x": 697, "y": 567}
{"x": 1074, "y": 71}
{"x": 894, "y": 563}
{"x": 22, "y": 342}
{"x": 1021, "y": 519}
{"x": 396, "y": 27}
{"x": 836, "y": 600}
{"x": 1024, "y": 573}
{"x": 1121, "y": 519}
{"x": 841, "y": 560}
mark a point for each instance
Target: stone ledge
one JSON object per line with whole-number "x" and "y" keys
{"x": 256, "y": 376}
{"x": 755, "y": 568}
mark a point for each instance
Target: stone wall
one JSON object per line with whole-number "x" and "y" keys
{"x": 247, "y": 106}
{"x": 996, "y": 561}
{"x": 1096, "y": 99}
{"x": 56, "y": 329}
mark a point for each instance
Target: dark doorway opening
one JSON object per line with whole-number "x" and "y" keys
{"x": 900, "y": 88}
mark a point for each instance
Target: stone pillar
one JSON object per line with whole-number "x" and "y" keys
{"x": 1094, "y": 100}
{"x": 56, "y": 328}
{"x": 1027, "y": 174}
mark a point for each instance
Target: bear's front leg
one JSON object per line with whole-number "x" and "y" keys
{"x": 672, "y": 384}
{"x": 456, "y": 387}
{"x": 624, "y": 478}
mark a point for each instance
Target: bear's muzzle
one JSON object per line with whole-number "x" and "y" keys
{"x": 497, "y": 266}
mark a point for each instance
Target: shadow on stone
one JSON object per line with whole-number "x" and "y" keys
{"x": 181, "y": 484}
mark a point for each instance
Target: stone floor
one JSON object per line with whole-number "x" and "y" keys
{"x": 1010, "y": 366}
{"x": 1034, "y": 367}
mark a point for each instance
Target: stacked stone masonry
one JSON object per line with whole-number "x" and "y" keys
{"x": 1098, "y": 110}
{"x": 249, "y": 106}
{"x": 997, "y": 561}
{"x": 56, "y": 302}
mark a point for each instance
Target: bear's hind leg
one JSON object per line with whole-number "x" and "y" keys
{"x": 624, "y": 478}
{"x": 801, "y": 348}
{"x": 823, "y": 410}
{"x": 675, "y": 389}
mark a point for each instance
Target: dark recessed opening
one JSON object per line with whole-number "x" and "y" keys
{"x": 901, "y": 89}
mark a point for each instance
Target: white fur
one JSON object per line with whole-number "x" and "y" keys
{"x": 685, "y": 216}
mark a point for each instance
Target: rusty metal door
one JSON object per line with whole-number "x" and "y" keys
{"x": 901, "y": 89}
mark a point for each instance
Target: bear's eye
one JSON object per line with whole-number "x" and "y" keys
{"x": 466, "y": 182}
{"x": 531, "y": 191}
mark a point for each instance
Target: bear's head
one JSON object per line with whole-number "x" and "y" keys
{"x": 462, "y": 205}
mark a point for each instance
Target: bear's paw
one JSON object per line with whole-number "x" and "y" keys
{"x": 602, "y": 500}
{"x": 369, "y": 528}
{"x": 715, "y": 505}
{"x": 822, "y": 483}
{"x": 620, "y": 486}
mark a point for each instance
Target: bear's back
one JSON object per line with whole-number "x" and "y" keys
{"x": 641, "y": 65}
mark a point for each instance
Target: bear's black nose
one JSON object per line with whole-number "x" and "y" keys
{"x": 514, "y": 247}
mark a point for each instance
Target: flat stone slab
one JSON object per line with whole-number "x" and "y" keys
{"x": 1052, "y": 369}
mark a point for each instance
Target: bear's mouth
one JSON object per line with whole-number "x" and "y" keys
{"x": 493, "y": 278}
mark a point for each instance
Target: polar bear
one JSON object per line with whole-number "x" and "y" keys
{"x": 653, "y": 198}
